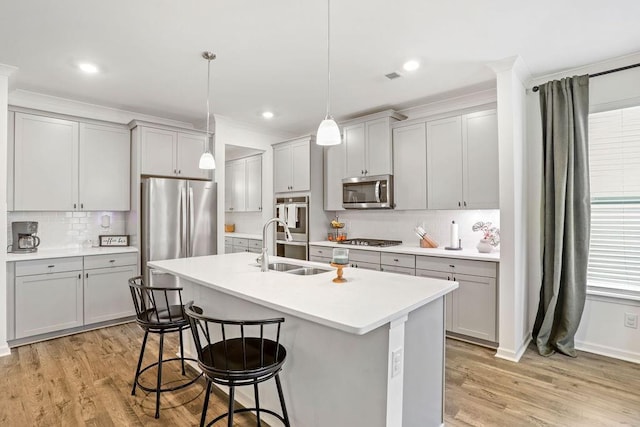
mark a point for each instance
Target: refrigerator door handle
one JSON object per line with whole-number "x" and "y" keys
{"x": 191, "y": 221}
{"x": 183, "y": 223}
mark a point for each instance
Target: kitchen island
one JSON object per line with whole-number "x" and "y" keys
{"x": 369, "y": 352}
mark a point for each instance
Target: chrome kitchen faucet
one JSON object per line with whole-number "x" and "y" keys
{"x": 263, "y": 259}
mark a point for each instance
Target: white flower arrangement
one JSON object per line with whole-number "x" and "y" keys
{"x": 492, "y": 234}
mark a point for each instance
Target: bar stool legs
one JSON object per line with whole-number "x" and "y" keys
{"x": 232, "y": 390}
{"x": 285, "y": 415}
{"x": 255, "y": 392}
{"x": 159, "y": 381}
{"x": 203, "y": 418}
{"x": 135, "y": 380}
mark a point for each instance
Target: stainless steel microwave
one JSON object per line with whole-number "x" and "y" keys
{"x": 368, "y": 192}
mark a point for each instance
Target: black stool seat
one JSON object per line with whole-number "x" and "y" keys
{"x": 155, "y": 314}
{"x": 238, "y": 361}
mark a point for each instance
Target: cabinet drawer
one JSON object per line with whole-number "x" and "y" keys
{"x": 459, "y": 266}
{"x": 110, "y": 260}
{"x": 255, "y": 244}
{"x": 321, "y": 259}
{"x": 51, "y": 265}
{"x": 364, "y": 256}
{"x": 228, "y": 240}
{"x": 241, "y": 242}
{"x": 366, "y": 265}
{"x": 255, "y": 250}
{"x": 396, "y": 269}
{"x": 400, "y": 260}
{"x": 433, "y": 274}
{"x": 320, "y": 251}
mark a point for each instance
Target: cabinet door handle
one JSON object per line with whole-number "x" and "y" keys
{"x": 361, "y": 171}
{"x": 366, "y": 172}
{"x": 448, "y": 278}
{"x": 112, "y": 260}
{"x": 179, "y": 172}
{"x": 87, "y": 275}
{"x": 51, "y": 266}
{"x": 79, "y": 276}
{"x": 452, "y": 266}
{"x": 81, "y": 205}
{"x": 459, "y": 204}
{"x": 175, "y": 171}
{"x": 396, "y": 260}
{"x": 74, "y": 206}
{"x": 465, "y": 204}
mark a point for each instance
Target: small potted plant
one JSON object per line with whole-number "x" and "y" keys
{"x": 490, "y": 238}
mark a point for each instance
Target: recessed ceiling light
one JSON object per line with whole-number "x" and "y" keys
{"x": 267, "y": 115}
{"x": 411, "y": 65}
{"x": 88, "y": 68}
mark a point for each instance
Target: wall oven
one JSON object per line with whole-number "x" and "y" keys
{"x": 368, "y": 192}
{"x": 295, "y": 212}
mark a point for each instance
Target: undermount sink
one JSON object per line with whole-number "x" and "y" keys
{"x": 308, "y": 271}
{"x": 299, "y": 270}
{"x": 283, "y": 266}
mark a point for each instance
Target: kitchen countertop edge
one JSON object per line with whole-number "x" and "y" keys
{"x": 470, "y": 254}
{"x": 69, "y": 252}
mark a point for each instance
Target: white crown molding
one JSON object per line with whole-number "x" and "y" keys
{"x": 514, "y": 63}
{"x": 458, "y": 103}
{"x": 7, "y": 70}
{"x": 54, "y": 104}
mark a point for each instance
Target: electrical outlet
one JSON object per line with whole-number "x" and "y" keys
{"x": 396, "y": 363}
{"x": 631, "y": 320}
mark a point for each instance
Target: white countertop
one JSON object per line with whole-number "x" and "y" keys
{"x": 367, "y": 300}
{"x": 244, "y": 235}
{"x": 466, "y": 253}
{"x": 69, "y": 252}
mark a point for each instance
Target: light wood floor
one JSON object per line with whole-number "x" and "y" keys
{"x": 85, "y": 379}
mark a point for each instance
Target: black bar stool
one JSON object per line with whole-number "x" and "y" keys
{"x": 238, "y": 361}
{"x": 159, "y": 311}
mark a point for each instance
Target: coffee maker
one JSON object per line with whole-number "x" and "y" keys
{"x": 24, "y": 236}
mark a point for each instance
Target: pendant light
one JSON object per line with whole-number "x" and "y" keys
{"x": 206, "y": 160}
{"x": 328, "y": 132}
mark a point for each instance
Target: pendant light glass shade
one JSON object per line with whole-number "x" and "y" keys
{"x": 328, "y": 132}
{"x": 206, "y": 160}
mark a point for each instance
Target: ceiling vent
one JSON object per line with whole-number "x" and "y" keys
{"x": 393, "y": 76}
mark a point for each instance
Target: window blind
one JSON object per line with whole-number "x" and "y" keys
{"x": 614, "y": 151}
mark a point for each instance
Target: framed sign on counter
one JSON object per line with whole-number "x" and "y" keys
{"x": 114, "y": 240}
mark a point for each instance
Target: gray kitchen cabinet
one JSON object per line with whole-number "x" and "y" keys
{"x": 292, "y": 165}
{"x": 64, "y": 165}
{"x": 45, "y": 163}
{"x": 239, "y": 244}
{"x": 367, "y": 141}
{"x": 243, "y": 185}
{"x": 106, "y": 289}
{"x": 410, "y": 166}
{"x": 48, "y": 302}
{"x": 398, "y": 263}
{"x": 462, "y": 162}
{"x": 167, "y": 151}
{"x": 369, "y": 260}
{"x": 47, "y": 297}
{"x": 335, "y": 168}
{"x": 472, "y": 308}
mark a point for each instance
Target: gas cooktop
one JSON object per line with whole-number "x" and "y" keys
{"x": 371, "y": 242}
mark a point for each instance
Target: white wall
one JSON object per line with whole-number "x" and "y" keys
{"x": 602, "y": 327}
{"x": 5, "y": 72}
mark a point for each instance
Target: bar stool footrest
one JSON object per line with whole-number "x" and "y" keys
{"x": 162, "y": 390}
{"x": 239, "y": 410}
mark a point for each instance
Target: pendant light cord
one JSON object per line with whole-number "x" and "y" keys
{"x": 208, "y": 96}
{"x": 328, "y": 54}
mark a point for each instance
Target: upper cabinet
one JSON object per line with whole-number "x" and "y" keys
{"x": 462, "y": 162}
{"x": 335, "y": 167}
{"x": 292, "y": 165}
{"x": 243, "y": 185}
{"x": 168, "y": 152}
{"x": 367, "y": 143}
{"x": 65, "y": 165}
{"x": 409, "y": 164}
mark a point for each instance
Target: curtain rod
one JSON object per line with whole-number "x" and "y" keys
{"x": 602, "y": 73}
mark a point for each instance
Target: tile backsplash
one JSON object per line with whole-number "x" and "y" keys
{"x": 69, "y": 229}
{"x": 399, "y": 225}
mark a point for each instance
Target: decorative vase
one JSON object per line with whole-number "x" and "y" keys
{"x": 484, "y": 246}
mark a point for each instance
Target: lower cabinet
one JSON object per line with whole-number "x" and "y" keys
{"x": 48, "y": 302}
{"x": 471, "y": 309}
{"x": 106, "y": 294}
{"x": 50, "y": 295}
{"x": 239, "y": 244}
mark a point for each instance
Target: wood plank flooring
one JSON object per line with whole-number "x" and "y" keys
{"x": 85, "y": 380}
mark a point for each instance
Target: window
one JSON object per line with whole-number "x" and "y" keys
{"x": 614, "y": 150}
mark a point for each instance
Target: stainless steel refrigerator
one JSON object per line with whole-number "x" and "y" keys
{"x": 178, "y": 221}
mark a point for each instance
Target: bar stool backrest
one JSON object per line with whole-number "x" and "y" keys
{"x": 237, "y": 349}
{"x": 156, "y": 306}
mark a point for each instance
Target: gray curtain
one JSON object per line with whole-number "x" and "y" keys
{"x": 564, "y": 105}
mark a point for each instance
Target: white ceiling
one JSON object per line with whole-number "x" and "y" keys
{"x": 271, "y": 55}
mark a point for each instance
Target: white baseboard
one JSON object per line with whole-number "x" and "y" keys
{"x": 5, "y": 350}
{"x": 604, "y": 350}
{"x": 514, "y": 356}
